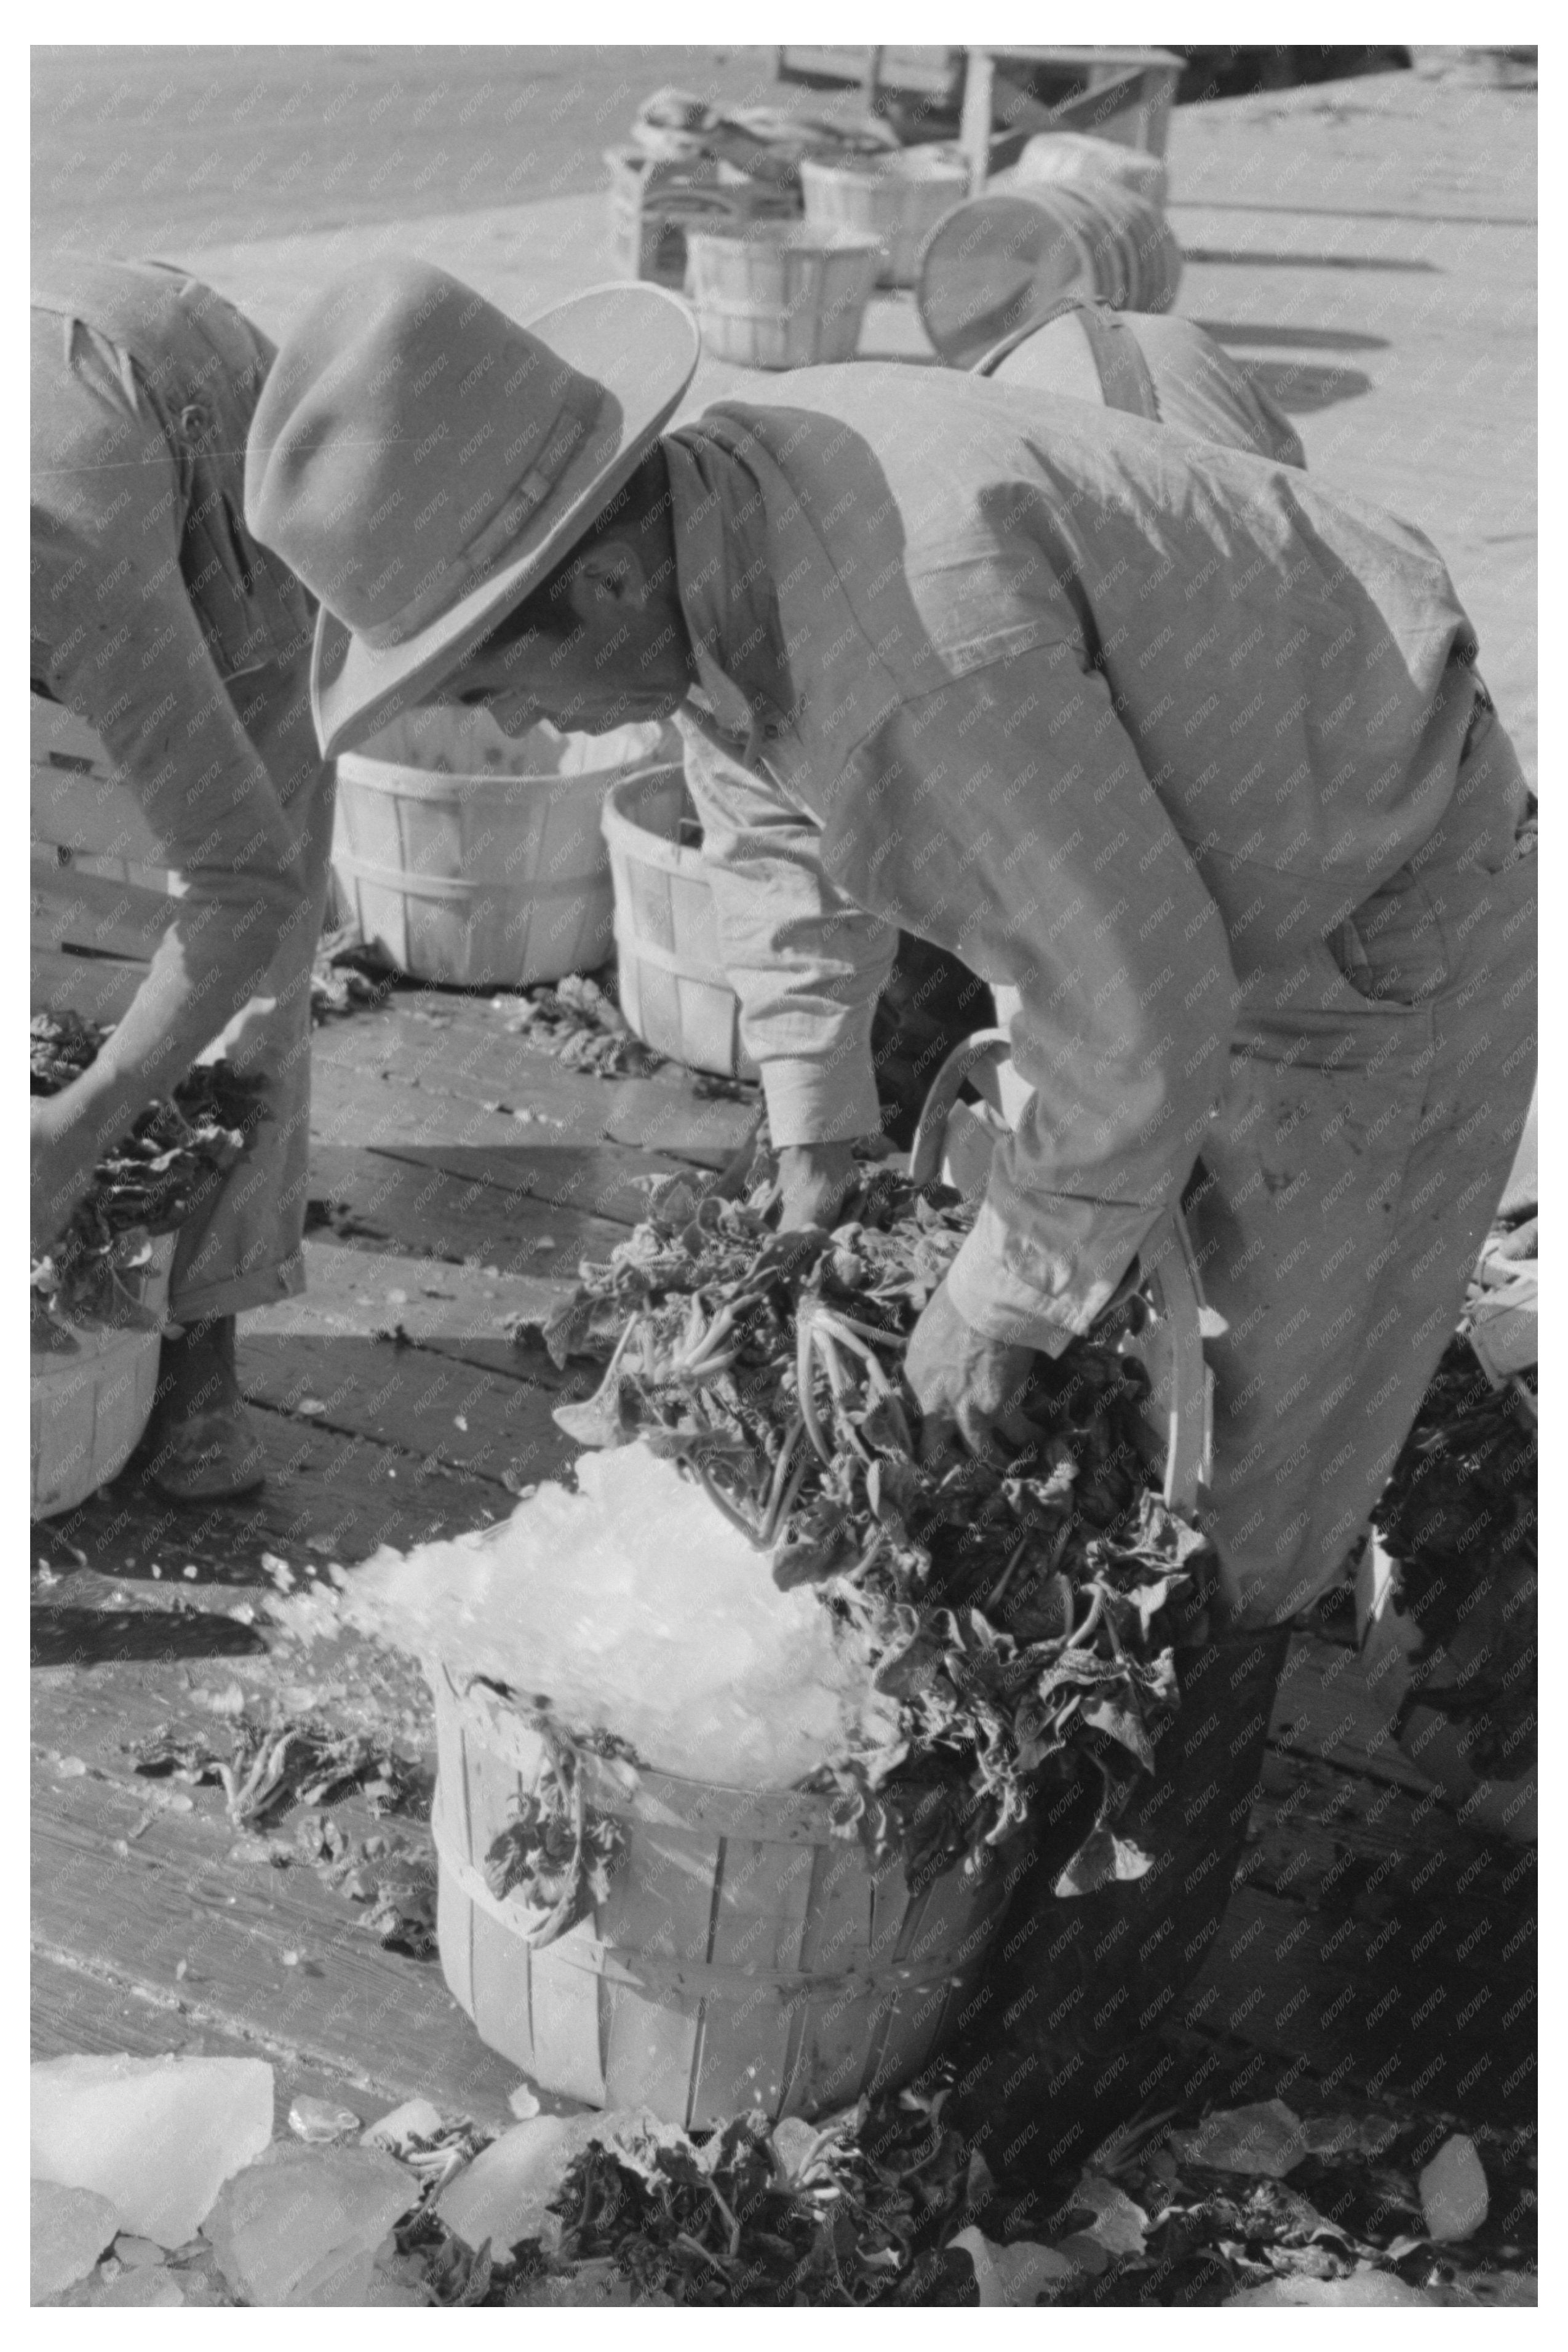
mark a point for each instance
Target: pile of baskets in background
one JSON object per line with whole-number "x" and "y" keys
{"x": 690, "y": 169}
{"x": 780, "y": 227}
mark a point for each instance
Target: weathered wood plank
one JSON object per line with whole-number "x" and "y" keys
{"x": 326, "y": 1492}
{"x": 101, "y": 988}
{"x": 77, "y": 2010}
{"x": 429, "y": 1130}
{"x": 363, "y": 1197}
{"x": 671, "y": 1113}
{"x": 85, "y": 911}
{"x": 1400, "y": 2006}
{"x": 1325, "y": 1709}
{"x": 262, "y": 1962}
{"x": 357, "y": 1292}
{"x": 422, "y": 1399}
{"x": 464, "y": 1047}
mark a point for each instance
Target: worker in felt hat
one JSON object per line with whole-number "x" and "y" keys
{"x": 1184, "y": 749}
{"x": 158, "y": 621}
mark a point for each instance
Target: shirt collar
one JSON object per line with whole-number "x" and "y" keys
{"x": 712, "y": 554}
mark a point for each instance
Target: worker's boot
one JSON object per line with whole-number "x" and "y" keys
{"x": 1066, "y": 2045}
{"x": 202, "y": 1444}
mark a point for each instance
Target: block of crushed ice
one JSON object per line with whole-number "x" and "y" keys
{"x": 140, "y": 2290}
{"x": 1366, "y": 2287}
{"x": 320, "y": 2121}
{"x": 635, "y": 1607}
{"x": 1454, "y": 2190}
{"x": 305, "y": 2225}
{"x": 503, "y": 2194}
{"x": 70, "y": 2229}
{"x": 157, "y": 2136}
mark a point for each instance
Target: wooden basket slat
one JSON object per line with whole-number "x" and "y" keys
{"x": 760, "y": 1917}
{"x": 660, "y": 1896}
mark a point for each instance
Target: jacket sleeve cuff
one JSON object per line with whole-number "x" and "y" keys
{"x": 1022, "y": 1293}
{"x": 820, "y": 1101}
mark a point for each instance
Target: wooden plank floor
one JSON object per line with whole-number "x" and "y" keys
{"x": 1369, "y": 248}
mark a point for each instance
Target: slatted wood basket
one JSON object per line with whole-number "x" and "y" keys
{"x": 653, "y": 204}
{"x": 745, "y": 1956}
{"x": 92, "y": 1394}
{"x": 101, "y": 897}
{"x": 770, "y": 296}
{"x": 898, "y": 198}
{"x": 669, "y": 971}
{"x": 474, "y": 860}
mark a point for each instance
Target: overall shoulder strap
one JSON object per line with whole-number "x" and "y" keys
{"x": 1125, "y": 377}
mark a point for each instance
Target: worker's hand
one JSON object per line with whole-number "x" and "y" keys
{"x": 62, "y": 1163}
{"x": 970, "y": 1389}
{"x": 813, "y": 1179}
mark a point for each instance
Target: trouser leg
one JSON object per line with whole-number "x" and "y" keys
{"x": 1347, "y": 1184}
{"x": 1346, "y": 1194}
{"x": 241, "y": 1248}
{"x": 1067, "y": 2041}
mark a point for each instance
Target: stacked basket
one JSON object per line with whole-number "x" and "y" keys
{"x": 1000, "y": 261}
{"x": 772, "y": 297}
{"x": 898, "y": 198}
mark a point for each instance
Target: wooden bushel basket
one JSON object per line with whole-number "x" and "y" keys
{"x": 674, "y": 988}
{"x": 745, "y": 1958}
{"x": 478, "y": 876}
{"x": 746, "y": 1955}
{"x": 898, "y": 198}
{"x": 93, "y": 1398}
{"x": 770, "y": 296}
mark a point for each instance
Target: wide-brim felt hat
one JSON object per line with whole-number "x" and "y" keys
{"x": 422, "y": 462}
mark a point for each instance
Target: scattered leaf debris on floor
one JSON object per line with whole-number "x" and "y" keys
{"x": 578, "y": 1020}
{"x": 881, "y": 2206}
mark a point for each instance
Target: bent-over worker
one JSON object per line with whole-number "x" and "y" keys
{"x": 158, "y": 619}
{"x": 1186, "y": 752}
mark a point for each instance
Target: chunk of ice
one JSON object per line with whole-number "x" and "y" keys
{"x": 1454, "y": 2191}
{"x": 157, "y": 2136}
{"x": 635, "y": 1607}
{"x": 320, "y": 2121}
{"x": 1365, "y": 2288}
{"x": 305, "y": 2225}
{"x": 70, "y": 2229}
{"x": 503, "y": 2194}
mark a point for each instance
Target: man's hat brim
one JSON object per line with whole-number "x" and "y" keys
{"x": 641, "y": 344}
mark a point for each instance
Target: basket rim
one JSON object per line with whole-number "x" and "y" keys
{"x": 792, "y": 236}
{"x": 896, "y": 166}
{"x": 401, "y": 780}
{"x": 621, "y": 830}
{"x": 768, "y": 1815}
